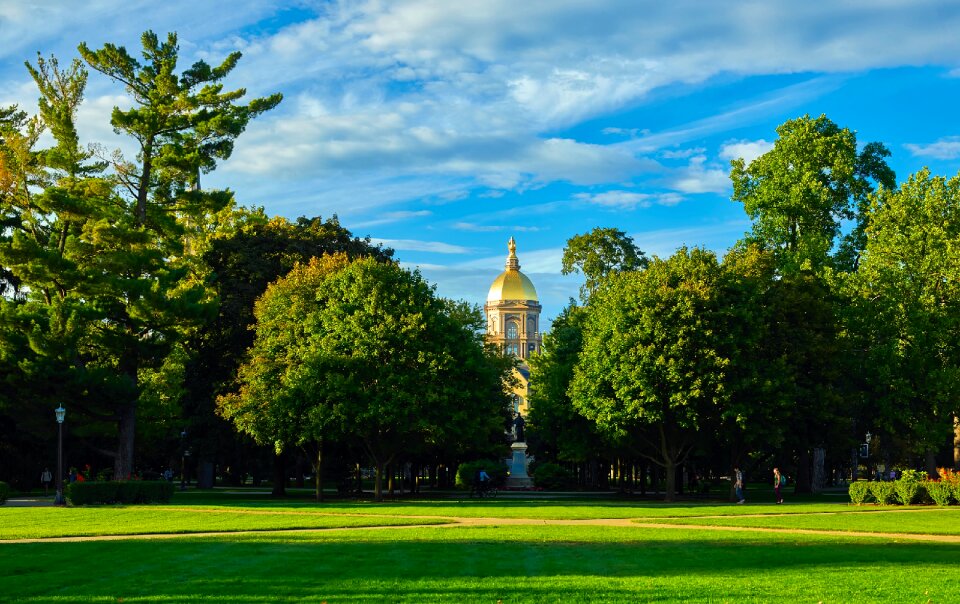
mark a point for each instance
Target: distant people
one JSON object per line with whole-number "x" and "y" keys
{"x": 46, "y": 478}
{"x": 168, "y": 475}
{"x": 779, "y": 481}
{"x": 72, "y": 476}
{"x": 738, "y": 484}
{"x": 483, "y": 477}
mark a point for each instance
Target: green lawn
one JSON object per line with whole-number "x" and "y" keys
{"x": 540, "y": 563}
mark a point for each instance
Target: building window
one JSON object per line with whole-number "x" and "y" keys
{"x": 513, "y": 332}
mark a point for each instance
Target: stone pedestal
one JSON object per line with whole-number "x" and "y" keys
{"x": 519, "y": 479}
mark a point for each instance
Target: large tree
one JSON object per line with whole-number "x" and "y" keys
{"x": 598, "y": 253}
{"x": 112, "y": 285}
{"x": 800, "y": 194}
{"x": 365, "y": 350}
{"x": 654, "y": 357}
{"x": 907, "y": 302}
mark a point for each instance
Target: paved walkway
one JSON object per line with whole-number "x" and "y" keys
{"x": 455, "y": 522}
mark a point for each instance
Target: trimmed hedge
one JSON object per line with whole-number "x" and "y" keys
{"x": 940, "y": 492}
{"x": 4, "y": 492}
{"x": 859, "y": 492}
{"x": 126, "y": 491}
{"x": 552, "y": 477}
{"x": 883, "y": 492}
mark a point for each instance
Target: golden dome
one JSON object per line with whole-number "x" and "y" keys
{"x": 512, "y": 284}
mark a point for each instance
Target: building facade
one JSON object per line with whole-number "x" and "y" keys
{"x": 513, "y": 321}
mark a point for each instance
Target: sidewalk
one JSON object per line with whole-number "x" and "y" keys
{"x": 29, "y": 502}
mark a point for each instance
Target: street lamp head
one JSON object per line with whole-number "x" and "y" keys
{"x": 868, "y": 437}
{"x": 61, "y": 413}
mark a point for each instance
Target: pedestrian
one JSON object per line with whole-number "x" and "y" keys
{"x": 46, "y": 478}
{"x": 738, "y": 484}
{"x": 779, "y": 481}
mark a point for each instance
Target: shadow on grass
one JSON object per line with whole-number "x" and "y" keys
{"x": 476, "y": 564}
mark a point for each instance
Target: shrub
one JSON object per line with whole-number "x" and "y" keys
{"x": 497, "y": 471}
{"x": 859, "y": 492}
{"x": 908, "y": 487}
{"x": 552, "y": 477}
{"x": 883, "y": 492}
{"x": 941, "y": 492}
{"x": 127, "y": 491}
{"x": 4, "y": 492}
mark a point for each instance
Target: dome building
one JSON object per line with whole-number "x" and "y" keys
{"x": 513, "y": 321}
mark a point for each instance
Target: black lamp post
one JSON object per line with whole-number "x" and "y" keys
{"x": 61, "y": 414}
{"x": 183, "y": 460}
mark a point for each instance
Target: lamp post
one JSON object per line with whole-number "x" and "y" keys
{"x": 61, "y": 414}
{"x": 183, "y": 460}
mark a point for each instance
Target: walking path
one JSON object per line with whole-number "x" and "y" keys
{"x": 455, "y": 522}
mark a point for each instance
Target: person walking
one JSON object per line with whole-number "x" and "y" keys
{"x": 46, "y": 478}
{"x": 738, "y": 484}
{"x": 779, "y": 480}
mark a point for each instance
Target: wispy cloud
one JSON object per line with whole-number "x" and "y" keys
{"x": 490, "y": 228}
{"x": 945, "y": 148}
{"x": 629, "y": 199}
{"x": 413, "y": 245}
{"x": 747, "y": 150}
{"x": 392, "y": 217}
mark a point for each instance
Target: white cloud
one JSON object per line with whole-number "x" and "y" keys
{"x": 699, "y": 177}
{"x": 392, "y": 217}
{"x": 945, "y": 148}
{"x": 629, "y": 199}
{"x": 748, "y": 150}
{"x": 413, "y": 245}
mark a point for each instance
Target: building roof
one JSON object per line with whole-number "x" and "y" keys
{"x": 511, "y": 284}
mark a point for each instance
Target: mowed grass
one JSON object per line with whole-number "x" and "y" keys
{"x": 46, "y": 522}
{"x": 913, "y": 520}
{"x": 506, "y": 563}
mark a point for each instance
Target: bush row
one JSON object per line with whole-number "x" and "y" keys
{"x": 127, "y": 491}
{"x": 4, "y": 492}
{"x": 912, "y": 487}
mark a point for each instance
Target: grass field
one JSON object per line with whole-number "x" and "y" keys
{"x": 477, "y": 558}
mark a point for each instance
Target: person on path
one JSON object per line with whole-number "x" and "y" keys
{"x": 46, "y": 478}
{"x": 738, "y": 484}
{"x": 779, "y": 480}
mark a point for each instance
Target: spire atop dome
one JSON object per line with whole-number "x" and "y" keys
{"x": 513, "y": 263}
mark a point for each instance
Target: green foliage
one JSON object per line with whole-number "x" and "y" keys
{"x": 883, "y": 492}
{"x": 940, "y": 492}
{"x": 799, "y": 193}
{"x": 364, "y": 349}
{"x": 859, "y": 492}
{"x": 906, "y": 309}
{"x": 552, "y": 477}
{"x": 4, "y": 492}
{"x": 655, "y": 355}
{"x": 908, "y": 490}
{"x": 123, "y": 492}
{"x": 598, "y": 253}
{"x": 467, "y": 472}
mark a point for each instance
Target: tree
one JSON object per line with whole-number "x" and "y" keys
{"x": 243, "y": 260}
{"x": 366, "y": 351}
{"x": 557, "y": 431}
{"x": 598, "y": 253}
{"x": 111, "y": 285}
{"x": 800, "y": 193}
{"x": 907, "y": 300}
{"x": 653, "y": 363}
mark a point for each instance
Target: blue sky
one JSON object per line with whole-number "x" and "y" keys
{"x": 444, "y": 128}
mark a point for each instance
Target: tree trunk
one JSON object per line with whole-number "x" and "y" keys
{"x": 378, "y": 481}
{"x": 956, "y": 442}
{"x": 931, "y": 459}
{"x": 144, "y": 188}
{"x": 670, "y": 471}
{"x": 279, "y": 475}
{"x": 819, "y": 477}
{"x": 318, "y": 473}
{"x": 126, "y": 427}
